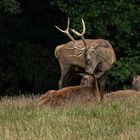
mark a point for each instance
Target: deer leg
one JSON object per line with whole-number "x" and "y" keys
{"x": 97, "y": 92}
{"x": 61, "y": 81}
{"x": 63, "y": 78}
{"x": 102, "y": 83}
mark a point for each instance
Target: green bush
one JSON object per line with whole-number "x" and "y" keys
{"x": 26, "y": 67}
{"x": 10, "y": 6}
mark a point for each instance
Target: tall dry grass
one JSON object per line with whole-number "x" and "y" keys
{"x": 22, "y": 119}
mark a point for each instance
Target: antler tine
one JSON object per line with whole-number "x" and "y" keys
{"x": 67, "y": 31}
{"x": 79, "y": 54}
{"x": 81, "y": 34}
{"x": 68, "y": 24}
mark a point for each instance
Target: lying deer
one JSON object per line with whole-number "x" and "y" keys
{"x": 121, "y": 94}
{"x": 136, "y": 83}
{"x": 87, "y": 92}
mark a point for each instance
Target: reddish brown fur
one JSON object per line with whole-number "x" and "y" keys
{"x": 46, "y": 95}
{"x": 121, "y": 94}
{"x": 73, "y": 94}
{"x": 67, "y": 95}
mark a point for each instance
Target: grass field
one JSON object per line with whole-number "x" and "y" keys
{"x": 22, "y": 119}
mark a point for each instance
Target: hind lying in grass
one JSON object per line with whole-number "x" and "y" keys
{"x": 87, "y": 92}
{"x": 121, "y": 94}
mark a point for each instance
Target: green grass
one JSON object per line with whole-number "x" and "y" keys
{"x": 21, "y": 119}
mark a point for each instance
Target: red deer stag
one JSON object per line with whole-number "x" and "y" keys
{"x": 84, "y": 93}
{"x": 95, "y": 56}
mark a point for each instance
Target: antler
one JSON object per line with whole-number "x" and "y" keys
{"x": 68, "y": 34}
{"x": 81, "y": 34}
{"x": 67, "y": 31}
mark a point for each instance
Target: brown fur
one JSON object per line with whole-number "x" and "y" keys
{"x": 74, "y": 94}
{"x": 121, "y": 94}
{"x": 56, "y": 53}
{"x": 64, "y": 53}
{"x": 136, "y": 83}
{"x": 68, "y": 95}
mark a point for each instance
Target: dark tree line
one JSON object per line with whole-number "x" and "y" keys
{"x": 28, "y": 39}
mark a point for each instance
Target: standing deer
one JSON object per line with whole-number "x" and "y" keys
{"x": 95, "y": 56}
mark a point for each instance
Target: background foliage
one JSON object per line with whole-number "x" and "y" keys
{"x": 10, "y": 6}
{"x": 28, "y": 39}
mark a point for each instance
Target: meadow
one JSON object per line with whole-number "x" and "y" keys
{"x": 22, "y": 119}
